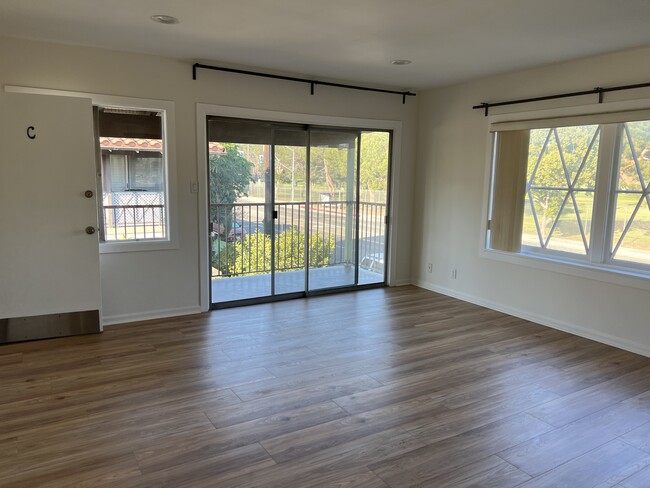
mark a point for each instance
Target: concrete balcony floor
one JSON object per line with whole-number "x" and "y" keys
{"x": 226, "y": 289}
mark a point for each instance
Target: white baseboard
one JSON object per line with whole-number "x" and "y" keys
{"x": 578, "y": 330}
{"x": 150, "y": 315}
{"x": 403, "y": 282}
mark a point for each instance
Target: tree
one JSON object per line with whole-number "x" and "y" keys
{"x": 255, "y": 154}
{"x": 230, "y": 175}
{"x": 639, "y": 133}
{"x": 374, "y": 160}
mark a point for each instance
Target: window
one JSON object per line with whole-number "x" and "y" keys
{"x": 133, "y": 168}
{"x": 560, "y": 186}
{"x": 631, "y": 229}
{"x": 575, "y": 189}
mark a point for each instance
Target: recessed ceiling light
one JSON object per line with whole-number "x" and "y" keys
{"x": 400, "y": 62}
{"x": 164, "y": 19}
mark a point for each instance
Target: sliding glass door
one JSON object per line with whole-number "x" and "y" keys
{"x": 289, "y": 202}
{"x": 287, "y": 216}
{"x": 333, "y": 208}
{"x": 255, "y": 225}
{"x": 375, "y": 152}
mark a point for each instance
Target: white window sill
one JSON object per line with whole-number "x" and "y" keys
{"x": 136, "y": 246}
{"x": 617, "y": 275}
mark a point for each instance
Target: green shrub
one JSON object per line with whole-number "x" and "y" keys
{"x": 253, "y": 252}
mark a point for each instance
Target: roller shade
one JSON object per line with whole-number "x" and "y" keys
{"x": 242, "y": 131}
{"x": 333, "y": 138}
{"x": 571, "y": 120}
{"x": 129, "y": 124}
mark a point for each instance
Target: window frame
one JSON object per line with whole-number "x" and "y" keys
{"x": 598, "y": 264}
{"x": 169, "y": 172}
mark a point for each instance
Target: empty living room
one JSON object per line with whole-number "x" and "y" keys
{"x": 324, "y": 244}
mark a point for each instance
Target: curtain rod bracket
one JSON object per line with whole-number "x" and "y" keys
{"x": 312, "y": 87}
{"x": 601, "y": 94}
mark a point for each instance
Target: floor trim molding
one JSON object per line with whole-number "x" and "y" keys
{"x": 403, "y": 282}
{"x": 150, "y": 315}
{"x": 597, "y": 336}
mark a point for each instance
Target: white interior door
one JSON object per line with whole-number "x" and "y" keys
{"x": 49, "y": 264}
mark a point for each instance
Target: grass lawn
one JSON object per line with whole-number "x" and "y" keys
{"x": 637, "y": 237}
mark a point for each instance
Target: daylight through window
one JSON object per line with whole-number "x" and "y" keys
{"x": 133, "y": 174}
{"x": 580, "y": 192}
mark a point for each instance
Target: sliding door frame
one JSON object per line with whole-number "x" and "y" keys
{"x": 203, "y": 111}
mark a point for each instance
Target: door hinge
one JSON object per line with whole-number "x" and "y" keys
{"x": 386, "y": 220}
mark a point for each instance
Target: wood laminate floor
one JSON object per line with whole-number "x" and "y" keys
{"x": 393, "y": 387}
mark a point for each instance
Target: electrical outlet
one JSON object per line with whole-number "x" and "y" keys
{"x": 194, "y": 186}
{"x": 454, "y": 273}
{"x": 430, "y": 267}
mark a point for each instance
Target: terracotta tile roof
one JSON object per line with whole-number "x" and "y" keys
{"x": 128, "y": 143}
{"x": 145, "y": 144}
{"x": 215, "y": 147}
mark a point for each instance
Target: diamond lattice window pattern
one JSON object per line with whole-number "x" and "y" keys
{"x": 560, "y": 188}
{"x": 631, "y": 233}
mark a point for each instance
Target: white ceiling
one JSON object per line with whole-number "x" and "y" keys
{"x": 353, "y": 40}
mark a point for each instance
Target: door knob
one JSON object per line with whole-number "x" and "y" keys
{"x": 89, "y": 194}
{"x": 90, "y": 230}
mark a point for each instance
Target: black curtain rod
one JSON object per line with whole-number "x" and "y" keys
{"x": 313, "y": 83}
{"x": 595, "y": 91}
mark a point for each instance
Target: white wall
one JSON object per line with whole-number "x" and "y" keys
{"x": 449, "y": 202}
{"x": 139, "y": 285}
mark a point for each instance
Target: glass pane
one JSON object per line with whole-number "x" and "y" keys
{"x": 529, "y": 235}
{"x": 116, "y": 177}
{"x": 575, "y": 143}
{"x": 332, "y": 232}
{"x": 240, "y": 216}
{"x": 585, "y": 201}
{"x": 640, "y": 135}
{"x": 631, "y": 229}
{"x": 549, "y": 172}
{"x": 628, "y": 175}
{"x": 626, "y": 209}
{"x": 290, "y": 203}
{"x": 375, "y": 151}
{"x": 567, "y": 235}
{"x": 133, "y": 174}
{"x": 547, "y": 204}
{"x": 551, "y": 217}
{"x": 538, "y": 137}
{"x": 635, "y": 246}
{"x": 587, "y": 177}
{"x": 146, "y": 174}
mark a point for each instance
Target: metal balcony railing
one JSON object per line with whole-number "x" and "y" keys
{"x": 332, "y": 231}
{"x": 131, "y": 222}
{"x": 134, "y": 215}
